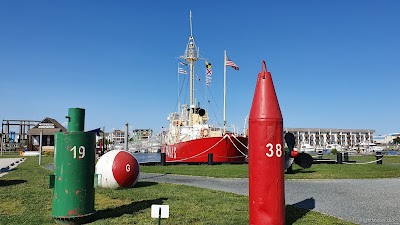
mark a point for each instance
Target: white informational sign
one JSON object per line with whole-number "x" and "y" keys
{"x": 46, "y": 125}
{"x": 36, "y": 140}
{"x": 155, "y": 210}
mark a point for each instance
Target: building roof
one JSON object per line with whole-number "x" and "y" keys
{"x": 46, "y": 131}
{"x": 49, "y": 126}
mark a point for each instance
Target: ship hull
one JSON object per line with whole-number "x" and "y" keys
{"x": 196, "y": 151}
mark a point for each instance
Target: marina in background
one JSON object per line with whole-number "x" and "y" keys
{"x": 24, "y": 136}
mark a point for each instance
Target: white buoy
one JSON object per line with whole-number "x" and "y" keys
{"x": 117, "y": 169}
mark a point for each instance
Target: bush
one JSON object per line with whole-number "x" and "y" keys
{"x": 334, "y": 151}
{"x": 48, "y": 153}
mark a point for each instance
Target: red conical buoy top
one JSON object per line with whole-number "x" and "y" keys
{"x": 265, "y": 103}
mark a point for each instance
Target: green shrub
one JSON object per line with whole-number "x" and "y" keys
{"x": 334, "y": 151}
{"x": 48, "y": 153}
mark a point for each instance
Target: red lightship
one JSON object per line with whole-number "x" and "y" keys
{"x": 190, "y": 137}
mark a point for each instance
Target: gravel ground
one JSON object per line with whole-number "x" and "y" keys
{"x": 362, "y": 201}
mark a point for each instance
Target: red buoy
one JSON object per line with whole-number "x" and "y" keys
{"x": 266, "y": 154}
{"x": 117, "y": 169}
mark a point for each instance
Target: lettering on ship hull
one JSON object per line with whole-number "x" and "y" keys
{"x": 170, "y": 151}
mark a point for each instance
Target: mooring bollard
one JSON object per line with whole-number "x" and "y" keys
{"x": 339, "y": 158}
{"x": 163, "y": 157}
{"x": 320, "y": 154}
{"x": 210, "y": 159}
{"x": 379, "y": 157}
{"x": 346, "y": 156}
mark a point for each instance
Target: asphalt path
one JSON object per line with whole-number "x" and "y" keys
{"x": 8, "y": 164}
{"x": 361, "y": 201}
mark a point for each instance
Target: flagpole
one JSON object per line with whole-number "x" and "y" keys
{"x": 191, "y": 30}
{"x": 205, "y": 92}
{"x": 178, "y": 87}
{"x": 224, "y": 91}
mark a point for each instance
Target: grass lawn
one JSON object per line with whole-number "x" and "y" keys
{"x": 389, "y": 169}
{"x": 26, "y": 199}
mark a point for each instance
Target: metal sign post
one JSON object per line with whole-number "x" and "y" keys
{"x": 1, "y": 144}
{"x": 126, "y": 137}
{"x": 40, "y": 146}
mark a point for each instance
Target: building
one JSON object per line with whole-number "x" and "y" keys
{"x": 322, "y": 137}
{"x": 142, "y": 134}
{"x": 117, "y": 136}
{"x": 386, "y": 139}
{"x": 48, "y": 127}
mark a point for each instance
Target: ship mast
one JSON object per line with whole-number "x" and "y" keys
{"x": 191, "y": 55}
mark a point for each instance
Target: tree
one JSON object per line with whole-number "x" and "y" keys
{"x": 396, "y": 140}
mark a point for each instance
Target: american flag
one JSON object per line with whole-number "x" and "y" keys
{"x": 231, "y": 63}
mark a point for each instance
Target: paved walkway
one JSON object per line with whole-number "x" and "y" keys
{"x": 7, "y": 164}
{"x": 361, "y": 201}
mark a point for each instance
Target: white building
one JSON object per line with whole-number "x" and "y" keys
{"x": 385, "y": 139}
{"x": 117, "y": 136}
{"x": 322, "y": 137}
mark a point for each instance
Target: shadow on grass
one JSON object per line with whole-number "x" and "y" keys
{"x": 140, "y": 184}
{"x": 153, "y": 176}
{"x": 300, "y": 171}
{"x": 7, "y": 169}
{"x": 4, "y": 183}
{"x": 297, "y": 211}
{"x": 126, "y": 209}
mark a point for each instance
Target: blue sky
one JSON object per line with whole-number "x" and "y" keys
{"x": 335, "y": 64}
